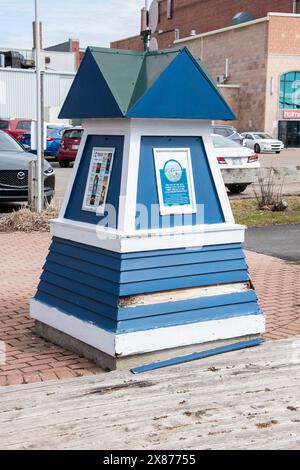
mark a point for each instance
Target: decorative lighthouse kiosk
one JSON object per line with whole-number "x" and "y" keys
{"x": 146, "y": 259}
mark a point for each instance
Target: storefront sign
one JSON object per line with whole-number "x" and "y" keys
{"x": 98, "y": 180}
{"x": 175, "y": 183}
{"x": 291, "y": 114}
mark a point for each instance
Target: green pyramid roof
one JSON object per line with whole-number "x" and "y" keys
{"x": 119, "y": 83}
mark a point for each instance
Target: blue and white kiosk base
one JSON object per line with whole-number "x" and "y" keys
{"x": 143, "y": 286}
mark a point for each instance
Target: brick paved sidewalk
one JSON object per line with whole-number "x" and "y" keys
{"x": 32, "y": 359}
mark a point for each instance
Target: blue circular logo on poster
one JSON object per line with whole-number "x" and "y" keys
{"x": 173, "y": 171}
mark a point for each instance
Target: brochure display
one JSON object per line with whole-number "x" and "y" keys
{"x": 175, "y": 182}
{"x": 98, "y": 179}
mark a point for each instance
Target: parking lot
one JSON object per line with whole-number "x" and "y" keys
{"x": 287, "y": 158}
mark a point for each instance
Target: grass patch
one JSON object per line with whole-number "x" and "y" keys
{"x": 23, "y": 220}
{"x": 246, "y": 212}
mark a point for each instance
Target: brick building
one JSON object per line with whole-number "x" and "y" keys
{"x": 181, "y": 18}
{"x": 257, "y": 63}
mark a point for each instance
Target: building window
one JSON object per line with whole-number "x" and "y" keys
{"x": 290, "y": 91}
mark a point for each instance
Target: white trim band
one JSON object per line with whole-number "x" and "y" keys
{"x": 140, "y": 342}
{"x": 147, "y": 240}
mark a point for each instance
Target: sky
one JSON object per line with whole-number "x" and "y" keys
{"x": 93, "y": 22}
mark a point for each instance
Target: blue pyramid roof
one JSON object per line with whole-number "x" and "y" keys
{"x": 168, "y": 84}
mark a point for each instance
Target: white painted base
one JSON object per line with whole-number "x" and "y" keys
{"x": 141, "y": 240}
{"x": 139, "y": 342}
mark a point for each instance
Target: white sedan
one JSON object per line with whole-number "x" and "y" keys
{"x": 262, "y": 142}
{"x": 232, "y": 156}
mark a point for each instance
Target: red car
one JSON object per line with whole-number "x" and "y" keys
{"x": 69, "y": 146}
{"x": 15, "y": 127}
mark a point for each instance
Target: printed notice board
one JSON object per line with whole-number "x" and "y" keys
{"x": 98, "y": 179}
{"x": 175, "y": 182}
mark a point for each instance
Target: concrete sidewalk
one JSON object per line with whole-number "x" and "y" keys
{"x": 32, "y": 359}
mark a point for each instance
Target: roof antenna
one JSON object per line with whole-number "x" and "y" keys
{"x": 151, "y": 19}
{"x": 146, "y": 33}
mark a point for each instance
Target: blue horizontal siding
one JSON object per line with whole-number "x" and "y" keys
{"x": 189, "y": 316}
{"x": 76, "y": 311}
{"x": 187, "y": 270}
{"x": 79, "y": 300}
{"x": 188, "y": 257}
{"x": 178, "y": 251}
{"x": 87, "y": 282}
{"x": 184, "y": 312}
{"x": 142, "y": 311}
{"x": 76, "y": 277}
{"x": 183, "y": 282}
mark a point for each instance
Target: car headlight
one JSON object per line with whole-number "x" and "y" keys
{"x": 48, "y": 171}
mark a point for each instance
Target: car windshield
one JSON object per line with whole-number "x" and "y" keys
{"x": 4, "y": 124}
{"x": 220, "y": 142}
{"x": 262, "y": 136}
{"x": 73, "y": 134}
{"x": 8, "y": 144}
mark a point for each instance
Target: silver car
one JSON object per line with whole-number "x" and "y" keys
{"x": 14, "y": 163}
{"x": 228, "y": 131}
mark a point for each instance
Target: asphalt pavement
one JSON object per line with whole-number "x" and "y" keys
{"x": 281, "y": 241}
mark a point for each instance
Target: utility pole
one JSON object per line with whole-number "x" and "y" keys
{"x": 39, "y": 123}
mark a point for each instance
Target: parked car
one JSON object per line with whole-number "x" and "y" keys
{"x": 228, "y": 131}
{"x": 262, "y": 142}
{"x": 54, "y": 135}
{"x": 231, "y": 155}
{"x": 69, "y": 146}
{"x": 14, "y": 163}
{"x": 15, "y": 127}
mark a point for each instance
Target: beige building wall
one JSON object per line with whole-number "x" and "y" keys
{"x": 246, "y": 48}
{"x": 231, "y": 94}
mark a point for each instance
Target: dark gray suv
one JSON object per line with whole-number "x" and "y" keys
{"x": 14, "y": 163}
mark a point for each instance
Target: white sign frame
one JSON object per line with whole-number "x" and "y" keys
{"x": 183, "y": 156}
{"x": 100, "y": 208}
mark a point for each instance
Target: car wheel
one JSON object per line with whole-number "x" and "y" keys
{"x": 236, "y": 188}
{"x": 64, "y": 163}
{"x": 256, "y": 148}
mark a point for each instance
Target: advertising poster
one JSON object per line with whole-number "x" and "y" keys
{"x": 175, "y": 183}
{"x": 98, "y": 179}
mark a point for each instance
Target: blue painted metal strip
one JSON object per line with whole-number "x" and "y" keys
{"x": 181, "y": 271}
{"x": 183, "y": 282}
{"x": 188, "y": 317}
{"x": 198, "y": 355}
{"x": 178, "y": 251}
{"x": 142, "y": 311}
{"x": 186, "y": 258}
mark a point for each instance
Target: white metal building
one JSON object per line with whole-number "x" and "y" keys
{"x": 17, "y": 92}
